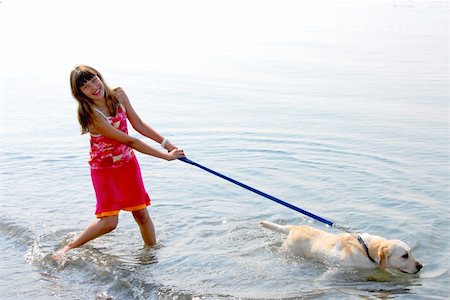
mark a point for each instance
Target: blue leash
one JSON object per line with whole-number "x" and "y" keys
{"x": 298, "y": 209}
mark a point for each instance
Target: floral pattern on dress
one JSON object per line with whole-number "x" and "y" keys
{"x": 109, "y": 153}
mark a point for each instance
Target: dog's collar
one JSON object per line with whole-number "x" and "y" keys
{"x": 361, "y": 241}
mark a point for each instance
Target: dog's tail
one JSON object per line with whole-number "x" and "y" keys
{"x": 275, "y": 227}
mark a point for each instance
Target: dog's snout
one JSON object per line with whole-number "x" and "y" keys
{"x": 419, "y": 266}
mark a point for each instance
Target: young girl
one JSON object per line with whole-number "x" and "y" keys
{"x": 115, "y": 172}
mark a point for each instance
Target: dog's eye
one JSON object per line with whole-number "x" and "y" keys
{"x": 405, "y": 256}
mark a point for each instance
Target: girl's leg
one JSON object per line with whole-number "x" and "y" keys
{"x": 96, "y": 229}
{"x": 145, "y": 223}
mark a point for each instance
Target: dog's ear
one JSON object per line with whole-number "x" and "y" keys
{"x": 383, "y": 254}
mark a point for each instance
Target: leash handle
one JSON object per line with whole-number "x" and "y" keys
{"x": 270, "y": 197}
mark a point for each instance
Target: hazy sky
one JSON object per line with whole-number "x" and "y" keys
{"x": 56, "y": 31}
{"x": 173, "y": 34}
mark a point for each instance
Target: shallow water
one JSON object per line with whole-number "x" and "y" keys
{"x": 338, "y": 107}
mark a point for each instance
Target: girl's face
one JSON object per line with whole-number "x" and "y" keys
{"x": 94, "y": 89}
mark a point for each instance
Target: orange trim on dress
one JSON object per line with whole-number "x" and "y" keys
{"x": 108, "y": 213}
{"x": 116, "y": 212}
{"x": 134, "y": 208}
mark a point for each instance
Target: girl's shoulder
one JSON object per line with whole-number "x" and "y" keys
{"x": 121, "y": 97}
{"x": 120, "y": 94}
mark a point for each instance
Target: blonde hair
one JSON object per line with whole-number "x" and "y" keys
{"x": 78, "y": 77}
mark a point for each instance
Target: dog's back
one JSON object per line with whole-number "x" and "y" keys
{"x": 311, "y": 242}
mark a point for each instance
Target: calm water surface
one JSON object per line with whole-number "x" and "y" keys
{"x": 338, "y": 107}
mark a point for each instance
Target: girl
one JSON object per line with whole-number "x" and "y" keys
{"x": 115, "y": 172}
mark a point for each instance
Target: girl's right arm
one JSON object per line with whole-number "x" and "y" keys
{"x": 101, "y": 126}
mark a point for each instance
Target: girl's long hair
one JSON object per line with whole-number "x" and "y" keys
{"x": 78, "y": 77}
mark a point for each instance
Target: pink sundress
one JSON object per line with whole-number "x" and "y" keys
{"x": 115, "y": 172}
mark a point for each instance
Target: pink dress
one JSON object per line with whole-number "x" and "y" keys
{"x": 115, "y": 172}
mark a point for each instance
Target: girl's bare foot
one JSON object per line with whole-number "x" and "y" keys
{"x": 58, "y": 255}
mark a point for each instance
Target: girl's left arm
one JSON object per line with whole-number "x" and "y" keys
{"x": 137, "y": 123}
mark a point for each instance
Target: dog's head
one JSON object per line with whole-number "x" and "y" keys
{"x": 396, "y": 254}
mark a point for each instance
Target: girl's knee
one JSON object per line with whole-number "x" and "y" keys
{"x": 110, "y": 223}
{"x": 141, "y": 216}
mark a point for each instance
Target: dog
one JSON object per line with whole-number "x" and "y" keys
{"x": 348, "y": 250}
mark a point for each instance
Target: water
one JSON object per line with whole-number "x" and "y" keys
{"x": 338, "y": 107}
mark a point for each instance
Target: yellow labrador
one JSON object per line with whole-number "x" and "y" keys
{"x": 364, "y": 251}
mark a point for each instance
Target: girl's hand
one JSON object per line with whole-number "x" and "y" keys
{"x": 175, "y": 154}
{"x": 169, "y": 147}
